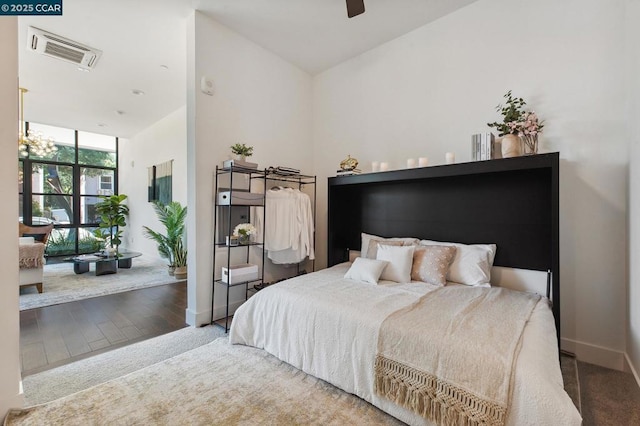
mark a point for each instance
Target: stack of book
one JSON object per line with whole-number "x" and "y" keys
{"x": 351, "y": 172}
{"x": 482, "y": 145}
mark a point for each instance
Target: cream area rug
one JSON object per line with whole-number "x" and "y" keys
{"x": 215, "y": 384}
{"x": 85, "y": 373}
{"x": 61, "y": 284}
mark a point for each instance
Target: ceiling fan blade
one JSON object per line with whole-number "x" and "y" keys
{"x": 355, "y": 8}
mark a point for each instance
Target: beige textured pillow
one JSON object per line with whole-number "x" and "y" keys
{"x": 364, "y": 246}
{"x": 372, "y": 250}
{"x": 431, "y": 264}
{"x": 471, "y": 264}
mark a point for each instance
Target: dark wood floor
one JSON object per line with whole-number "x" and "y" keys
{"x": 56, "y": 335}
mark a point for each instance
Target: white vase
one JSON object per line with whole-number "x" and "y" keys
{"x": 511, "y": 146}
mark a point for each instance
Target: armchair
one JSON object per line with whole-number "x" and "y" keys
{"x": 32, "y": 242}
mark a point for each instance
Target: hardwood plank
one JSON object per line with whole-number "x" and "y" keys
{"x": 56, "y": 335}
{"x": 99, "y": 344}
{"x": 131, "y": 332}
{"x": 33, "y": 356}
{"x": 55, "y": 348}
{"x": 76, "y": 343}
{"x": 111, "y": 332}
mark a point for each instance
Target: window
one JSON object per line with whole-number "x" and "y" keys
{"x": 65, "y": 185}
{"x": 106, "y": 184}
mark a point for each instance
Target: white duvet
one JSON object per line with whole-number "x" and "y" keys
{"x": 328, "y": 326}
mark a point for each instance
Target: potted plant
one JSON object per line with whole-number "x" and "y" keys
{"x": 242, "y": 151}
{"x": 517, "y": 127}
{"x": 243, "y": 232}
{"x": 172, "y": 216}
{"x": 180, "y": 260}
{"x": 113, "y": 214}
{"x": 511, "y": 112}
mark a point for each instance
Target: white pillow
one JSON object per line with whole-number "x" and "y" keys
{"x": 400, "y": 259}
{"x": 366, "y": 270}
{"x": 472, "y": 263}
{"x": 364, "y": 247}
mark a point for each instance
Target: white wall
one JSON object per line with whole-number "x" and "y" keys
{"x": 425, "y": 93}
{"x": 10, "y": 393}
{"x": 633, "y": 85}
{"x": 163, "y": 141}
{"x": 260, "y": 100}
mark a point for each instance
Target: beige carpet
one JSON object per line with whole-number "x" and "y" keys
{"x": 62, "y": 285}
{"x": 83, "y": 374}
{"x": 214, "y": 384}
{"x": 609, "y": 397}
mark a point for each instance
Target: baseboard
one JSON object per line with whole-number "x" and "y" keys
{"x": 629, "y": 367}
{"x": 594, "y": 354}
{"x": 197, "y": 319}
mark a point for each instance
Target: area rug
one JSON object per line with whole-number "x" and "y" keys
{"x": 214, "y": 384}
{"x": 61, "y": 284}
{"x": 80, "y": 375}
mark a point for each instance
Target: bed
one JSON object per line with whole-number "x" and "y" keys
{"x": 327, "y": 326}
{"x": 331, "y": 327}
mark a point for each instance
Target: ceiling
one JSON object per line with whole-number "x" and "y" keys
{"x": 144, "y": 48}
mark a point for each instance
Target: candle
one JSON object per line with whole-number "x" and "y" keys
{"x": 375, "y": 166}
{"x": 450, "y": 157}
{"x": 384, "y": 166}
{"x": 423, "y": 161}
{"x": 411, "y": 163}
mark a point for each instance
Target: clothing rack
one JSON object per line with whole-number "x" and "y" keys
{"x": 301, "y": 180}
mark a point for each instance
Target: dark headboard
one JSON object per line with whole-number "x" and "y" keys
{"x": 512, "y": 202}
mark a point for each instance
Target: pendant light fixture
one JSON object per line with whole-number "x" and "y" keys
{"x": 30, "y": 141}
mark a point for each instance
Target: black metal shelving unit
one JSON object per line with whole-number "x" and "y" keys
{"x": 223, "y": 238}
{"x": 220, "y": 238}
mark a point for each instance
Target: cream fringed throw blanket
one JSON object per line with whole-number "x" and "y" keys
{"x": 31, "y": 255}
{"x": 450, "y": 356}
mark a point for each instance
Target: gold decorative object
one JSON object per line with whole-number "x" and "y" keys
{"x": 32, "y": 142}
{"x": 348, "y": 163}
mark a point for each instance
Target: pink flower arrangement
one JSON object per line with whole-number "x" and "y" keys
{"x": 527, "y": 125}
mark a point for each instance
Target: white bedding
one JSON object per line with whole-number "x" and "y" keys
{"x": 328, "y": 326}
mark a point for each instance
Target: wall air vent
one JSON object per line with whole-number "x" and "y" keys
{"x": 49, "y": 44}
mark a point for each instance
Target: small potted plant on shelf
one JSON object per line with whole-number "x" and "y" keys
{"x": 518, "y": 127}
{"x": 243, "y": 232}
{"x": 113, "y": 214}
{"x": 172, "y": 216}
{"x": 180, "y": 260}
{"x": 242, "y": 151}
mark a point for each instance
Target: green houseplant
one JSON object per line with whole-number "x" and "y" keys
{"x": 172, "y": 216}
{"x": 180, "y": 260}
{"x": 113, "y": 214}
{"x": 511, "y": 111}
{"x": 241, "y": 150}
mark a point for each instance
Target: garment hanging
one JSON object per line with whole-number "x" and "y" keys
{"x": 289, "y": 226}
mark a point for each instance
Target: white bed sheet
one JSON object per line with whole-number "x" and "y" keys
{"x": 327, "y": 326}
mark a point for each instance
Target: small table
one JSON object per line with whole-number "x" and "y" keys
{"x": 104, "y": 264}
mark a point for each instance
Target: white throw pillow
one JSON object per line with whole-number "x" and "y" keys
{"x": 472, "y": 263}
{"x": 366, "y": 270}
{"x": 400, "y": 260}
{"x": 366, "y": 238}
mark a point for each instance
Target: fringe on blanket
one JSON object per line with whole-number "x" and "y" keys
{"x": 432, "y": 398}
{"x": 31, "y": 256}
{"x": 31, "y": 262}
